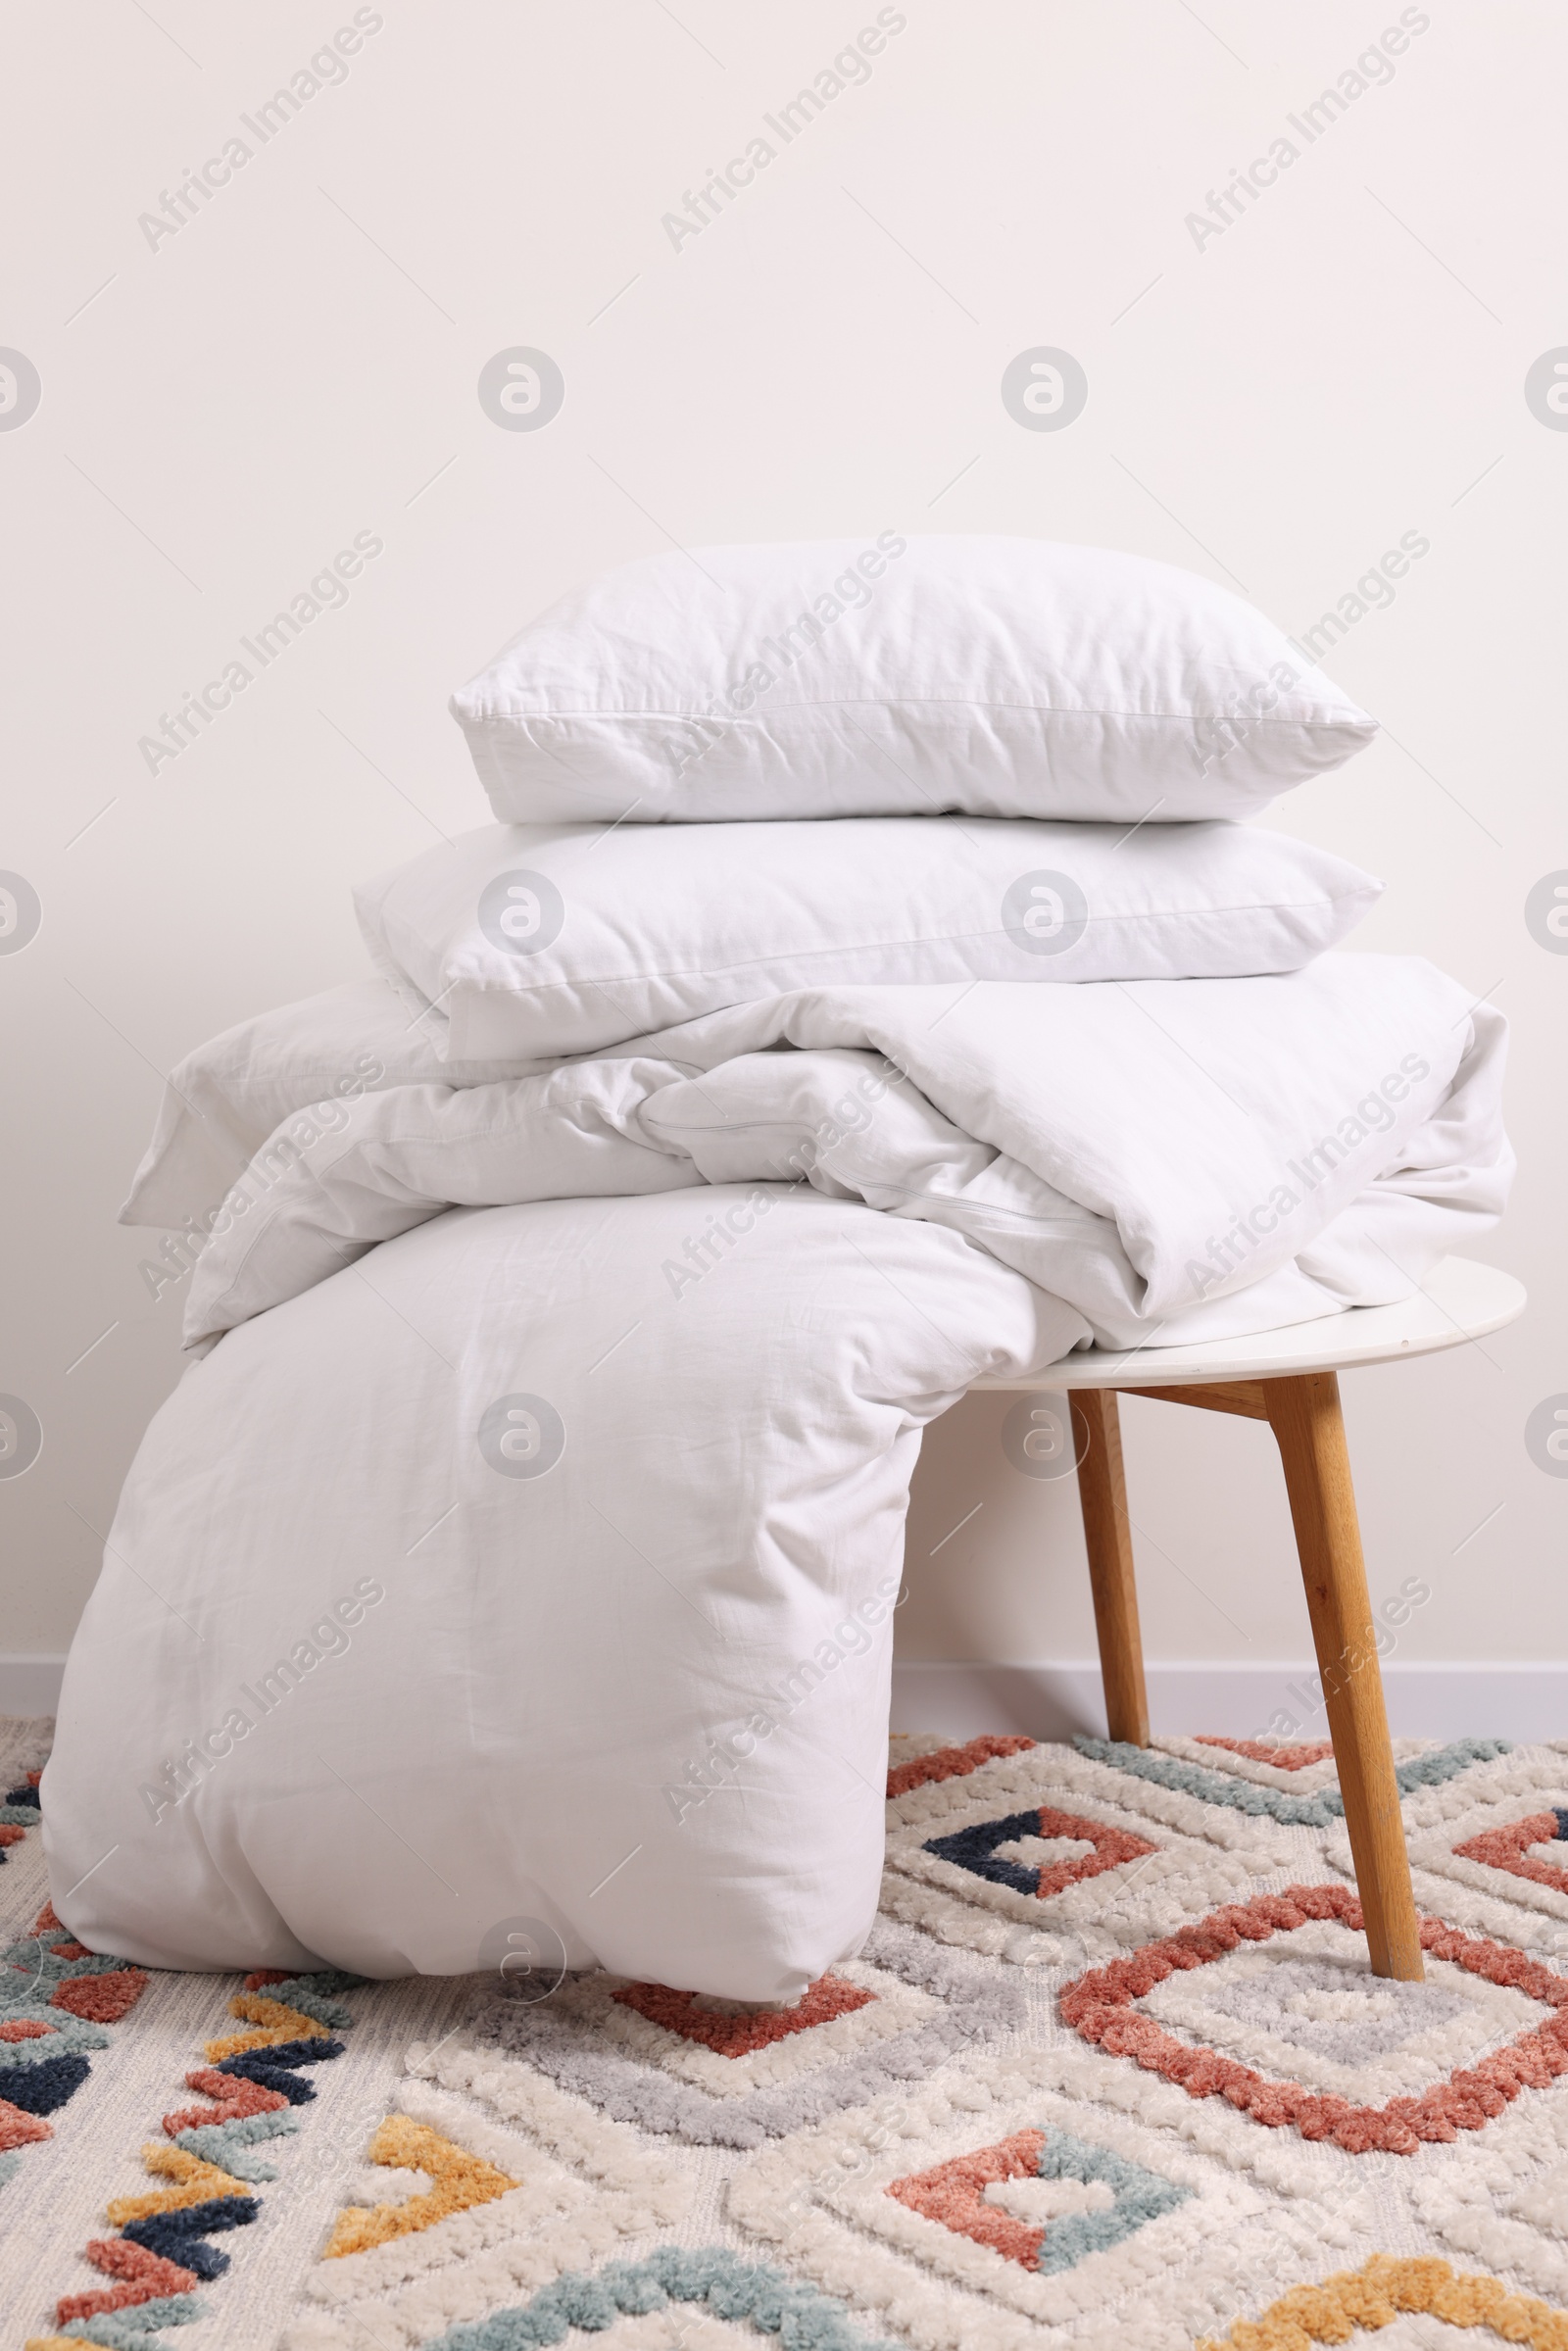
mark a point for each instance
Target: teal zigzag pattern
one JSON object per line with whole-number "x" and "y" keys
{"x": 750, "y": 2292}
{"x": 1318, "y": 1811}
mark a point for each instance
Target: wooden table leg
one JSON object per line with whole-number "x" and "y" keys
{"x": 1109, "y": 1538}
{"x": 1305, "y": 1415}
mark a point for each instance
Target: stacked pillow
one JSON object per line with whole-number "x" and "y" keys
{"x": 1014, "y": 760}
{"x": 748, "y": 770}
{"x": 535, "y": 940}
{"x": 900, "y": 677}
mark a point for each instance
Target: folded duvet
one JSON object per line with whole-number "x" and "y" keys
{"x": 517, "y": 1555}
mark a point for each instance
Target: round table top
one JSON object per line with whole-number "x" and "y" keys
{"x": 1458, "y": 1299}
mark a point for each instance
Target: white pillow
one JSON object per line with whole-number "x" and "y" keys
{"x": 563, "y": 939}
{"x": 845, "y": 677}
{"x": 223, "y": 1100}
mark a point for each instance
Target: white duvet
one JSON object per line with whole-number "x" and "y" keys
{"x": 519, "y": 1553}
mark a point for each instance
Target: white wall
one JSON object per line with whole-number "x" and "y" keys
{"x": 1275, "y": 406}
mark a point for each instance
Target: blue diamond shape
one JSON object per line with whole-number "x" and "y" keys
{"x": 1141, "y": 2197}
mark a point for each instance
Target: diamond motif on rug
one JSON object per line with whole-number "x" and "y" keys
{"x": 1487, "y": 1850}
{"x": 1041, "y": 1851}
{"x": 992, "y": 2209}
{"x": 1298, "y": 2032}
{"x": 1281, "y": 1754}
{"x": 730, "y": 2027}
{"x": 1041, "y": 1856}
{"x": 1234, "y": 1774}
{"x": 718, "y": 2074}
{"x": 1041, "y": 2198}
{"x": 1526, "y": 1848}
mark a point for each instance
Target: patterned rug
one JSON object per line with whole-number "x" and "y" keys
{"x": 1111, "y": 2072}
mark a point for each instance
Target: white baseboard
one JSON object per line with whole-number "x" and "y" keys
{"x": 1521, "y": 1702}
{"x": 30, "y": 1686}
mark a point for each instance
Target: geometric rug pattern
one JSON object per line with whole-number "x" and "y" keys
{"x": 1110, "y": 2071}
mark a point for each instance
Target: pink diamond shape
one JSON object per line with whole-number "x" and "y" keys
{"x": 954, "y": 2195}
{"x": 1509, "y": 1850}
{"x": 1100, "y": 2007}
{"x": 1292, "y": 1755}
{"x": 739, "y": 2035}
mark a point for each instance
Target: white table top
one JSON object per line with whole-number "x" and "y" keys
{"x": 1458, "y": 1301}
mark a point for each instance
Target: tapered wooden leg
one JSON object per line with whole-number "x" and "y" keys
{"x": 1109, "y": 1538}
{"x": 1304, "y": 1414}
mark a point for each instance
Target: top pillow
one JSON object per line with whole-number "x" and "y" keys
{"x": 900, "y": 677}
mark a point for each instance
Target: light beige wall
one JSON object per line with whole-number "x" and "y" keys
{"x": 1275, "y": 405}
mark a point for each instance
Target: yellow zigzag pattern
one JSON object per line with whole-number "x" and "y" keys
{"x": 461, "y": 2180}
{"x": 196, "y": 2181}
{"x": 1372, "y": 2297}
{"x": 199, "y": 2183}
{"x": 276, "y": 2023}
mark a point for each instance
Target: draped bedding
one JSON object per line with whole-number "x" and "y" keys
{"x": 518, "y": 1554}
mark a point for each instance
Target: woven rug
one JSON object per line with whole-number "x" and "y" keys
{"x": 1111, "y": 2072}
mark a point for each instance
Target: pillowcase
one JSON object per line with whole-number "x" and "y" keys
{"x": 223, "y": 1100}
{"x": 563, "y": 939}
{"x": 902, "y": 677}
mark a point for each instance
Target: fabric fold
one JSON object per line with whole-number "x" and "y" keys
{"x": 1271, "y": 1149}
